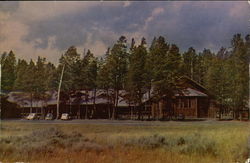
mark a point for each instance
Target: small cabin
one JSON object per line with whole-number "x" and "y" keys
{"x": 194, "y": 101}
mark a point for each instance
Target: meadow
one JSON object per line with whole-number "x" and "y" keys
{"x": 173, "y": 142}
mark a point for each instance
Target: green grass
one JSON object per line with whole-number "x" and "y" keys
{"x": 151, "y": 142}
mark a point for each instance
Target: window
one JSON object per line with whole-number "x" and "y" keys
{"x": 186, "y": 103}
{"x": 190, "y": 103}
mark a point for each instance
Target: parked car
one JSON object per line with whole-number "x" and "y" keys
{"x": 181, "y": 117}
{"x": 49, "y": 116}
{"x": 66, "y": 116}
{"x": 32, "y": 116}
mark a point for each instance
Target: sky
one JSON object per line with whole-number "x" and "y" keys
{"x": 48, "y": 29}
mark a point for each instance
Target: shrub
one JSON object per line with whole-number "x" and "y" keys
{"x": 43, "y": 142}
{"x": 154, "y": 141}
{"x": 195, "y": 144}
{"x": 190, "y": 144}
{"x": 88, "y": 146}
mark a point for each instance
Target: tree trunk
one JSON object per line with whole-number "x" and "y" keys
{"x": 37, "y": 107}
{"x": 58, "y": 94}
{"x": 192, "y": 70}
{"x": 69, "y": 106}
{"x": 94, "y": 101}
{"x": 42, "y": 112}
{"x": 79, "y": 112}
{"x": 109, "y": 113}
{"x": 31, "y": 102}
{"x": 131, "y": 112}
{"x": 86, "y": 111}
{"x": 116, "y": 104}
{"x": 220, "y": 109}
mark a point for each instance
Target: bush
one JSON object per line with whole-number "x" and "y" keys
{"x": 190, "y": 144}
{"x": 196, "y": 144}
{"x": 44, "y": 142}
{"x": 88, "y": 146}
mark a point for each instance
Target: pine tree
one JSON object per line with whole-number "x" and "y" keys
{"x": 117, "y": 63}
{"x": 190, "y": 59}
{"x": 66, "y": 68}
{"x": 241, "y": 76}
{"x": 218, "y": 82}
{"x": 104, "y": 80}
{"x": 8, "y": 77}
{"x": 136, "y": 81}
{"x": 204, "y": 62}
{"x": 90, "y": 74}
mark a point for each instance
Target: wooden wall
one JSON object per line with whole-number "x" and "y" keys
{"x": 186, "y": 106}
{"x": 190, "y": 107}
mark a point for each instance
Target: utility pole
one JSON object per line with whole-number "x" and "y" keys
{"x": 1, "y": 96}
{"x": 248, "y": 91}
{"x": 2, "y": 61}
{"x": 248, "y": 54}
{"x": 59, "y": 89}
{"x": 58, "y": 94}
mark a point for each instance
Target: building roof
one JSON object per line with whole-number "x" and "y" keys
{"x": 191, "y": 93}
{"x": 84, "y": 97}
{"x": 23, "y": 100}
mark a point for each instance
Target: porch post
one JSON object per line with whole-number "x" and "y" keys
{"x": 196, "y": 101}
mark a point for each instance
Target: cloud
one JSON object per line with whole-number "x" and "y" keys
{"x": 155, "y": 12}
{"x": 200, "y": 24}
{"x": 42, "y": 10}
{"x": 49, "y": 28}
{"x": 9, "y": 6}
{"x": 126, "y": 4}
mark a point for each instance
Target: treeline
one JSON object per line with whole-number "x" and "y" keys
{"x": 135, "y": 68}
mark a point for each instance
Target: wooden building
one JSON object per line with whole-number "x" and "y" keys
{"x": 194, "y": 101}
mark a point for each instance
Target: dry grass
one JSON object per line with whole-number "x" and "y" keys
{"x": 152, "y": 142}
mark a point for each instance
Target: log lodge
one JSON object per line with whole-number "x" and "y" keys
{"x": 194, "y": 101}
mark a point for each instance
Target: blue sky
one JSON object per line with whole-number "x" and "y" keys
{"x": 49, "y": 28}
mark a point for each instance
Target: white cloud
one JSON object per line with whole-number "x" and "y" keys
{"x": 37, "y": 11}
{"x": 157, "y": 11}
{"x": 13, "y": 32}
{"x": 126, "y": 3}
{"x": 98, "y": 48}
{"x": 239, "y": 9}
{"x": 14, "y": 27}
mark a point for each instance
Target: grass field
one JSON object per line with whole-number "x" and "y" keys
{"x": 173, "y": 142}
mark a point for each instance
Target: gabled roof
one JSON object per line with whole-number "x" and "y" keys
{"x": 191, "y": 93}
{"x": 190, "y": 83}
{"x": 190, "y": 89}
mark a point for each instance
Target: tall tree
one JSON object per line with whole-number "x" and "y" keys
{"x": 136, "y": 76}
{"x": 21, "y": 69}
{"x": 241, "y": 77}
{"x": 189, "y": 59}
{"x": 204, "y": 62}
{"x": 217, "y": 80}
{"x": 165, "y": 68}
{"x": 90, "y": 75}
{"x": 155, "y": 60}
{"x": 66, "y": 69}
{"x": 8, "y": 62}
{"x": 117, "y": 63}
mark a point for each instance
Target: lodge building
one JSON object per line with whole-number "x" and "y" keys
{"x": 194, "y": 101}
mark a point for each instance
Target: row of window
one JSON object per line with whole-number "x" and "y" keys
{"x": 184, "y": 103}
